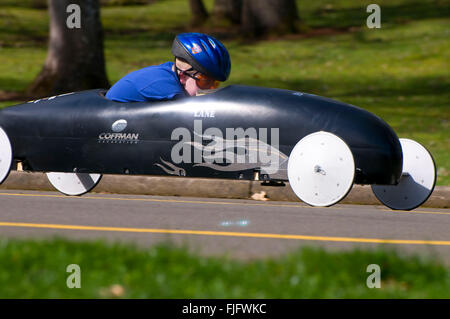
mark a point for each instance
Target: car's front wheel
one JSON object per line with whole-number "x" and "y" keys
{"x": 6, "y": 156}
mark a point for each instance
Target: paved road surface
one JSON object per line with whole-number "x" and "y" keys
{"x": 241, "y": 228}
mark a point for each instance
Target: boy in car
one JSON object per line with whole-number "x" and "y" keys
{"x": 201, "y": 63}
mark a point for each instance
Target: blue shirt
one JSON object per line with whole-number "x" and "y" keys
{"x": 152, "y": 83}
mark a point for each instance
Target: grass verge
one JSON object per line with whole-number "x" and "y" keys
{"x": 37, "y": 269}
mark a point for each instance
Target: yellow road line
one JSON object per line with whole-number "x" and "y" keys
{"x": 229, "y": 234}
{"x": 209, "y": 202}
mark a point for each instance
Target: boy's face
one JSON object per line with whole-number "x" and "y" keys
{"x": 189, "y": 84}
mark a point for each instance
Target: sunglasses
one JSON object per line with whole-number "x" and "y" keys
{"x": 204, "y": 82}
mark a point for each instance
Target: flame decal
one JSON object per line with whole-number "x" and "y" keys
{"x": 172, "y": 170}
{"x": 218, "y": 150}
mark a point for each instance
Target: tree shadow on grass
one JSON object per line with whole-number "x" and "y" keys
{"x": 13, "y": 89}
{"x": 145, "y": 39}
{"x": 420, "y": 85}
{"x": 347, "y": 87}
{"x": 356, "y": 16}
{"x": 12, "y": 84}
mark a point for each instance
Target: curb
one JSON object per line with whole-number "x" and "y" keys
{"x": 205, "y": 187}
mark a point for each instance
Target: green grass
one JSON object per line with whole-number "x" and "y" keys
{"x": 37, "y": 269}
{"x": 399, "y": 72}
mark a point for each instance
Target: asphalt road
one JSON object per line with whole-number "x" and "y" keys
{"x": 240, "y": 228}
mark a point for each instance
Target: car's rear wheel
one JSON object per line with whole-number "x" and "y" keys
{"x": 74, "y": 184}
{"x": 321, "y": 169}
{"x": 6, "y": 157}
{"x": 417, "y": 181}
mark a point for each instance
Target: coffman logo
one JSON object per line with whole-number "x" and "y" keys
{"x": 118, "y": 137}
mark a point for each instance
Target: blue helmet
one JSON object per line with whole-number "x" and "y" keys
{"x": 205, "y": 53}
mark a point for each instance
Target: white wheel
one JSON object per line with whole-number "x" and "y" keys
{"x": 5, "y": 155}
{"x": 416, "y": 183}
{"x": 73, "y": 184}
{"x": 321, "y": 169}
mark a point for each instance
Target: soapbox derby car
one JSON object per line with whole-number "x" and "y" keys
{"x": 321, "y": 146}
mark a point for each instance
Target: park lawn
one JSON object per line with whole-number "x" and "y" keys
{"x": 37, "y": 269}
{"x": 399, "y": 72}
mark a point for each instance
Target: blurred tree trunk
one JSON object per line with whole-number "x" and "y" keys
{"x": 269, "y": 16}
{"x": 199, "y": 13}
{"x": 230, "y": 10}
{"x": 39, "y": 4}
{"x": 75, "y": 59}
